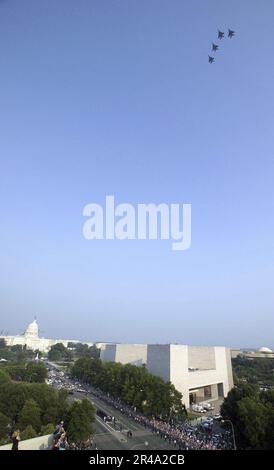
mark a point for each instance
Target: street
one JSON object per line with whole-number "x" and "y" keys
{"x": 108, "y": 438}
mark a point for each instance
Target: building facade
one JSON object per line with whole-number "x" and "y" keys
{"x": 200, "y": 373}
{"x": 31, "y": 339}
{"x": 135, "y": 354}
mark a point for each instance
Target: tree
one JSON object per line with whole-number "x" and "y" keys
{"x": 251, "y": 423}
{"x": 94, "y": 352}
{"x": 269, "y": 439}
{"x": 4, "y": 377}
{"x": 36, "y": 372}
{"x": 21, "y": 353}
{"x": 267, "y": 397}
{"x": 4, "y": 423}
{"x": 83, "y": 350}
{"x": 229, "y": 409}
{"x": 134, "y": 385}
{"x": 12, "y": 399}
{"x": 58, "y": 352}
{"x": 17, "y": 372}
{"x": 28, "y": 433}
{"x": 255, "y": 371}
{"x": 52, "y": 403}
{"x": 89, "y": 410}
{"x": 47, "y": 429}
{"x": 14, "y": 353}
{"x": 80, "y": 421}
{"x": 88, "y": 370}
{"x": 32, "y": 372}
{"x": 30, "y": 415}
{"x": 252, "y": 414}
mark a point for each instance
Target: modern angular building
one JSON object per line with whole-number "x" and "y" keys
{"x": 199, "y": 373}
{"x": 135, "y": 354}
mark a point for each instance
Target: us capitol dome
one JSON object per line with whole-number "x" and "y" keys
{"x": 32, "y": 330}
{"x": 31, "y": 339}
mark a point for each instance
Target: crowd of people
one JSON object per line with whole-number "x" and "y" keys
{"x": 61, "y": 442}
{"x": 183, "y": 435}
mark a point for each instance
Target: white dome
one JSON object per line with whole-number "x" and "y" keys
{"x": 265, "y": 350}
{"x": 32, "y": 329}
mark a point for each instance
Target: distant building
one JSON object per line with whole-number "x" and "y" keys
{"x": 135, "y": 354}
{"x": 31, "y": 340}
{"x": 235, "y": 353}
{"x": 199, "y": 373}
{"x": 260, "y": 353}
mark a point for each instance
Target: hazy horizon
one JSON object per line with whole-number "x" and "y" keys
{"x": 42, "y": 334}
{"x": 105, "y": 97}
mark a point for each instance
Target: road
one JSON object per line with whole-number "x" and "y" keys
{"x": 112, "y": 435}
{"x": 108, "y": 438}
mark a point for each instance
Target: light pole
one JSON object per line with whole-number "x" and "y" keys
{"x": 233, "y": 432}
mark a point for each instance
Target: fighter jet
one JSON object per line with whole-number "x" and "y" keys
{"x": 211, "y": 59}
{"x": 214, "y": 47}
{"x": 221, "y": 35}
{"x": 231, "y": 33}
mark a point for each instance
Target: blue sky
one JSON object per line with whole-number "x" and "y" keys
{"x": 116, "y": 97}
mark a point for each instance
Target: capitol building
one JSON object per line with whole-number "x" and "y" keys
{"x": 200, "y": 373}
{"x": 31, "y": 339}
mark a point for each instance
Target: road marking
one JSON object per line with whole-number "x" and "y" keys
{"x": 111, "y": 431}
{"x": 127, "y": 425}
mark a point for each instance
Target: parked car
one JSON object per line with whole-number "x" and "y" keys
{"x": 198, "y": 408}
{"x": 217, "y": 417}
{"x": 207, "y": 406}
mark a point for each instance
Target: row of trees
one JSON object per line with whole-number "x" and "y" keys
{"x": 133, "y": 385}
{"x": 16, "y": 353}
{"x": 83, "y": 350}
{"x": 252, "y": 413}
{"x": 36, "y": 408}
{"x": 29, "y": 406}
{"x": 59, "y": 352}
{"x": 254, "y": 371}
{"x": 25, "y": 372}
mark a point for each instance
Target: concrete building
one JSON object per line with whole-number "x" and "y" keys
{"x": 135, "y": 354}
{"x": 31, "y": 339}
{"x": 235, "y": 352}
{"x": 260, "y": 353}
{"x": 199, "y": 373}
